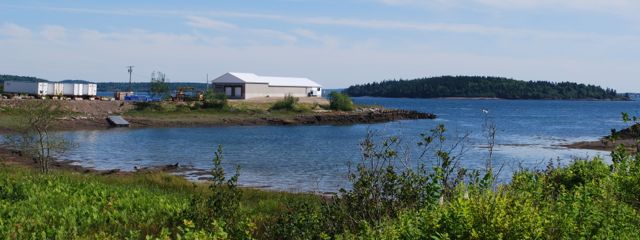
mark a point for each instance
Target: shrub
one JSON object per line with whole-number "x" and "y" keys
{"x": 221, "y": 207}
{"x": 589, "y": 209}
{"x": 149, "y": 106}
{"x": 387, "y": 183}
{"x": 340, "y": 101}
{"x": 298, "y": 220}
{"x": 183, "y": 108}
{"x": 289, "y": 103}
{"x": 215, "y": 100}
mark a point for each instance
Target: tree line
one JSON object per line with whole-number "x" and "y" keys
{"x": 481, "y": 86}
{"x": 147, "y": 86}
{"x": 4, "y": 78}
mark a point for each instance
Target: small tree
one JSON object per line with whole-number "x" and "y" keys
{"x": 214, "y": 99}
{"x": 33, "y": 135}
{"x": 340, "y": 101}
{"x": 159, "y": 85}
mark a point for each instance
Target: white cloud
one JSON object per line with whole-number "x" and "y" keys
{"x": 256, "y": 35}
{"x": 571, "y": 4}
{"x": 393, "y": 25}
{"x": 326, "y": 40}
{"x": 14, "y": 30}
{"x": 203, "y": 19}
{"x": 203, "y": 22}
{"x": 54, "y": 32}
{"x": 101, "y": 56}
{"x": 268, "y": 33}
{"x": 616, "y": 7}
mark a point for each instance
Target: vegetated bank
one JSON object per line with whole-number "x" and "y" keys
{"x": 482, "y": 87}
{"x": 437, "y": 200}
{"x": 306, "y": 111}
{"x": 628, "y": 137}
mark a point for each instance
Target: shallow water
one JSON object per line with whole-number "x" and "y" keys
{"x": 316, "y": 158}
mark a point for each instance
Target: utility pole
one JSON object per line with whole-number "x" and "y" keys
{"x": 207, "y": 82}
{"x": 130, "y": 70}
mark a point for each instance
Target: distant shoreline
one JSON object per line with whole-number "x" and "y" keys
{"x": 91, "y": 115}
{"x": 514, "y": 99}
{"x": 601, "y": 145}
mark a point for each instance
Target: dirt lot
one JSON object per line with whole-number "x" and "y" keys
{"x": 90, "y": 108}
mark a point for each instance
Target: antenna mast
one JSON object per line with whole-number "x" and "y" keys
{"x": 130, "y": 70}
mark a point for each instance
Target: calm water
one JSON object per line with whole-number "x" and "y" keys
{"x": 315, "y": 158}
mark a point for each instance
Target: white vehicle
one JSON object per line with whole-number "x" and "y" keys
{"x": 315, "y": 92}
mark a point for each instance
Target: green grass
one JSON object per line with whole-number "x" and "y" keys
{"x": 586, "y": 199}
{"x": 69, "y": 205}
{"x": 237, "y": 113}
{"x": 9, "y": 117}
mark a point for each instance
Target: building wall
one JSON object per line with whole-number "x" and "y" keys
{"x": 221, "y": 88}
{"x": 283, "y": 91}
{"x": 255, "y": 90}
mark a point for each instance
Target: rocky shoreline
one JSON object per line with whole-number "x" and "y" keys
{"x": 329, "y": 118}
{"x": 626, "y": 137}
{"x": 91, "y": 115}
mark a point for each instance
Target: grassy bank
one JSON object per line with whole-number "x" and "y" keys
{"x": 213, "y": 111}
{"x": 435, "y": 198}
{"x": 587, "y": 199}
{"x": 70, "y": 205}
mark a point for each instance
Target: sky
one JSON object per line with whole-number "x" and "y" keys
{"x": 334, "y": 42}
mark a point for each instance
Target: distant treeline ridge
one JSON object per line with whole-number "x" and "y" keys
{"x": 146, "y": 86}
{"x": 482, "y": 87}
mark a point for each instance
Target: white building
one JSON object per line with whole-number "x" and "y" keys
{"x": 249, "y": 85}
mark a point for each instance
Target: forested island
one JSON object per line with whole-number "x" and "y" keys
{"x": 482, "y": 87}
{"x": 4, "y": 78}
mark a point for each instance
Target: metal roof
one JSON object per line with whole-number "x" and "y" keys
{"x": 235, "y": 77}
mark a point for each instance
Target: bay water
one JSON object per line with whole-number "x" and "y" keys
{"x": 317, "y": 158}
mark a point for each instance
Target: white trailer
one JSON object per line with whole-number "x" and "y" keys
{"x": 77, "y": 89}
{"x": 30, "y": 88}
{"x": 67, "y": 89}
{"x": 90, "y": 89}
{"x": 55, "y": 89}
{"x": 51, "y": 88}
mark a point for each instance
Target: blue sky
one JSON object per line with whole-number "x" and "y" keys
{"x": 336, "y": 43}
